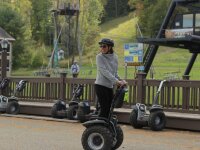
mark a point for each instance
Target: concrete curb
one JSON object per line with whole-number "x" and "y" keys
{"x": 39, "y": 118}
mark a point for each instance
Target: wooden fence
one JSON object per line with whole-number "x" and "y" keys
{"x": 176, "y": 95}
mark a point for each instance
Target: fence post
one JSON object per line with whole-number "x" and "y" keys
{"x": 63, "y": 86}
{"x": 3, "y": 68}
{"x": 186, "y": 94}
{"x": 140, "y": 87}
{"x": 47, "y": 89}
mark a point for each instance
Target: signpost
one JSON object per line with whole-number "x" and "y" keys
{"x": 133, "y": 56}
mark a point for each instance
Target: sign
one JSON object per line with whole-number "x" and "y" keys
{"x": 133, "y": 53}
{"x": 140, "y": 68}
{"x": 178, "y": 33}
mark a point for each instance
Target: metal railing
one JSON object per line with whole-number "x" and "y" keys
{"x": 176, "y": 95}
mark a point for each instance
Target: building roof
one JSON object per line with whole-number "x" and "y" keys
{"x": 5, "y": 35}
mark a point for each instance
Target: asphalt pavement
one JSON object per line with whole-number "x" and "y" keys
{"x": 38, "y": 133}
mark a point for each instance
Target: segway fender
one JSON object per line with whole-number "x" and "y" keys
{"x": 134, "y": 107}
{"x": 95, "y": 122}
{"x": 156, "y": 108}
{"x": 73, "y": 103}
{"x": 61, "y": 102}
{"x": 84, "y": 103}
{"x": 11, "y": 100}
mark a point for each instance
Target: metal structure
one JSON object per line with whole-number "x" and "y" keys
{"x": 62, "y": 10}
{"x": 189, "y": 40}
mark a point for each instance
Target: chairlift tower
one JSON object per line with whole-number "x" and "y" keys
{"x": 184, "y": 32}
{"x": 68, "y": 11}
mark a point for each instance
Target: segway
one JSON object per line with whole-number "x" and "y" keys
{"x": 103, "y": 133}
{"x": 153, "y": 117}
{"x": 59, "y": 109}
{"x": 10, "y": 105}
{"x": 73, "y": 104}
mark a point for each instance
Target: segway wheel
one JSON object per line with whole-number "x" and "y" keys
{"x": 54, "y": 111}
{"x": 133, "y": 119}
{"x": 119, "y": 138}
{"x": 13, "y": 108}
{"x": 72, "y": 112}
{"x": 157, "y": 120}
{"x": 97, "y": 138}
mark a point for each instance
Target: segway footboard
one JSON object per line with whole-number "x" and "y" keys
{"x": 95, "y": 122}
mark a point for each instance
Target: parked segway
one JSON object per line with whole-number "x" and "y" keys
{"x": 73, "y": 104}
{"x": 10, "y": 105}
{"x": 103, "y": 133}
{"x": 59, "y": 109}
{"x": 153, "y": 117}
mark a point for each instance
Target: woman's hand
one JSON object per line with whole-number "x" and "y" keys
{"x": 121, "y": 82}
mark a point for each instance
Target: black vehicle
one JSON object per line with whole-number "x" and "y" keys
{"x": 10, "y": 105}
{"x": 59, "y": 109}
{"x": 73, "y": 104}
{"x": 103, "y": 133}
{"x": 153, "y": 117}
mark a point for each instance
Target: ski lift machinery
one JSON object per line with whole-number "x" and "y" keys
{"x": 184, "y": 32}
{"x": 62, "y": 10}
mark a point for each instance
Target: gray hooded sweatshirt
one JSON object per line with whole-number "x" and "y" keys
{"x": 107, "y": 66}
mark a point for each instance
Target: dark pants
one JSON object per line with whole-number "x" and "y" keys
{"x": 105, "y": 96}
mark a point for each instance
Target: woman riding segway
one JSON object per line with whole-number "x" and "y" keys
{"x": 102, "y": 132}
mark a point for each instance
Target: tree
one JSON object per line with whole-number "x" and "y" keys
{"x": 11, "y": 21}
{"x": 115, "y": 8}
{"x": 152, "y": 15}
{"x": 41, "y": 20}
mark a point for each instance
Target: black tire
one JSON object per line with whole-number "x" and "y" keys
{"x": 81, "y": 116}
{"x": 54, "y": 111}
{"x": 13, "y": 108}
{"x": 157, "y": 120}
{"x": 72, "y": 112}
{"x": 119, "y": 138}
{"x": 97, "y": 138}
{"x": 133, "y": 119}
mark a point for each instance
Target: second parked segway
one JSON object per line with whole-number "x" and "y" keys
{"x": 103, "y": 133}
{"x": 153, "y": 117}
{"x": 60, "y": 110}
{"x": 73, "y": 104}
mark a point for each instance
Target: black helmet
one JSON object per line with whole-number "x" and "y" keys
{"x": 106, "y": 41}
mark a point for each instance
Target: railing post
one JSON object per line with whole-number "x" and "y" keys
{"x": 186, "y": 77}
{"x": 3, "y": 68}
{"x": 63, "y": 86}
{"x": 186, "y": 94}
{"x": 47, "y": 89}
{"x": 140, "y": 87}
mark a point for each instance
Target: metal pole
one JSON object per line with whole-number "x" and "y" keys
{"x": 190, "y": 64}
{"x": 3, "y": 64}
{"x": 152, "y": 49}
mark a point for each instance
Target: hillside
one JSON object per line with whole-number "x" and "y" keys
{"x": 168, "y": 61}
{"x": 121, "y": 30}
